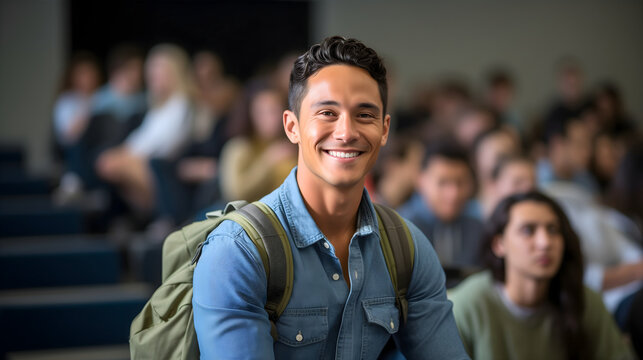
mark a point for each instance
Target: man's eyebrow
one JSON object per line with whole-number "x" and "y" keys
{"x": 368, "y": 105}
{"x": 326, "y": 103}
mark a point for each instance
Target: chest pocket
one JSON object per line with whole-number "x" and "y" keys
{"x": 302, "y": 331}
{"x": 382, "y": 321}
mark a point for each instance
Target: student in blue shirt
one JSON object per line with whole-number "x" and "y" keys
{"x": 343, "y": 303}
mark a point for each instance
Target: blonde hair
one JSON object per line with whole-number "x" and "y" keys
{"x": 181, "y": 69}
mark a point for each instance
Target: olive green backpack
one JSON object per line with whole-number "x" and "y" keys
{"x": 164, "y": 329}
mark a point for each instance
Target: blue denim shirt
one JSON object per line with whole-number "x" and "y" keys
{"x": 325, "y": 319}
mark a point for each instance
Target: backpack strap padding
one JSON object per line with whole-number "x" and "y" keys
{"x": 279, "y": 255}
{"x": 399, "y": 250}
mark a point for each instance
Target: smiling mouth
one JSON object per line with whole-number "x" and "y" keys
{"x": 343, "y": 154}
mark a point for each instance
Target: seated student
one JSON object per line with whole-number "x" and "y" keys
{"x": 73, "y": 104}
{"x": 116, "y": 109}
{"x": 254, "y": 164}
{"x": 500, "y": 95}
{"x": 531, "y": 303}
{"x": 122, "y": 97}
{"x": 512, "y": 174}
{"x": 71, "y": 116}
{"x": 569, "y": 148}
{"x": 488, "y": 148}
{"x": 165, "y": 129}
{"x": 443, "y": 188}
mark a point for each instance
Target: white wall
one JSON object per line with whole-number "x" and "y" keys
{"x": 467, "y": 37}
{"x": 32, "y": 49}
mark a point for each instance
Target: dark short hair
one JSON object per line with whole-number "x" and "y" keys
{"x": 558, "y": 126}
{"x": 499, "y": 77}
{"x": 505, "y": 161}
{"x": 445, "y": 150}
{"x": 335, "y": 50}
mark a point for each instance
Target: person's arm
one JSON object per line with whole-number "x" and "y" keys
{"x": 229, "y": 298}
{"x": 619, "y": 275}
{"x": 630, "y": 265}
{"x": 430, "y": 331}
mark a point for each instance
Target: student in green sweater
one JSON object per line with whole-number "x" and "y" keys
{"x": 531, "y": 303}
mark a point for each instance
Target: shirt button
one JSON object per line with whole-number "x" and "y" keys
{"x": 335, "y": 276}
{"x": 299, "y": 337}
{"x": 392, "y": 324}
{"x": 326, "y": 245}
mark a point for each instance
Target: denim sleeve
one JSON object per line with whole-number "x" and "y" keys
{"x": 229, "y": 296}
{"x": 430, "y": 331}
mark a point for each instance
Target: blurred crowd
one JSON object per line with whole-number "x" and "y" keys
{"x": 167, "y": 137}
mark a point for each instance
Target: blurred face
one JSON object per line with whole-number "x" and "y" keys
{"x": 445, "y": 185}
{"x": 340, "y": 128}
{"x": 265, "y": 111}
{"x": 470, "y": 125}
{"x": 532, "y": 245}
{"x": 207, "y": 68}
{"x": 491, "y": 150}
{"x": 607, "y": 155}
{"x": 160, "y": 76}
{"x": 570, "y": 83}
{"x": 501, "y": 96}
{"x": 85, "y": 78}
{"x": 578, "y": 146}
{"x": 516, "y": 177}
{"x": 129, "y": 77}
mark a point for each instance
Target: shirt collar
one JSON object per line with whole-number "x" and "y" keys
{"x": 303, "y": 228}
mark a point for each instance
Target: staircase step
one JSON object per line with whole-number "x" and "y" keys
{"x": 58, "y": 261}
{"x": 36, "y": 215}
{"x": 35, "y": 319}
{"x": 114, "y": 352}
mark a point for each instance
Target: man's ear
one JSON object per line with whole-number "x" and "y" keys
{"x": 387, "y": 127}
{"x": 291, "y": 126}
{"x": 498, "y": 246}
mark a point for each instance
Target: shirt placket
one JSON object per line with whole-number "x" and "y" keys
{"x": 356, "y": 270}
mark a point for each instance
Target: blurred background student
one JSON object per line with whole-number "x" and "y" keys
{"x": 258, "y": 160}
{"x": 531, "y": 302}
{"x": 166, "y": 127}
{"x": 444, "y": 185}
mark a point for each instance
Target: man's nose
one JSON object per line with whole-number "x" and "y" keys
{"x": 345, "y": 128}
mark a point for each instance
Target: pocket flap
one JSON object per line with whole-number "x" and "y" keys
{"x": 298, "y": 327}
{"x": 383, "y": 312}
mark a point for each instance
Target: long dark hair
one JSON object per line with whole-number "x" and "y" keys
{"x": 566, "y": 292}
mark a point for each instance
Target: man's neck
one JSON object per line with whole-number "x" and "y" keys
{"x": 526, "y": 291}
{"x": 333, "y": 209}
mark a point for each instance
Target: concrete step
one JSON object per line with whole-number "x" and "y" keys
{"x": 36, "y": 319}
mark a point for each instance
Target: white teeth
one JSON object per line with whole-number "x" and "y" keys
{"x": 344, "y": 155}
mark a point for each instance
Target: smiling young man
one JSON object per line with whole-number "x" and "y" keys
{"x": 338, "y": 119}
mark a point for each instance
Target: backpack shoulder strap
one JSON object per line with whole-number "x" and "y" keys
{"x": 399, "y": 253}
{"x": 266, "y": 232}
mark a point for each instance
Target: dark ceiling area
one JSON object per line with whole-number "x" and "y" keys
{"x": 247, "y": 35}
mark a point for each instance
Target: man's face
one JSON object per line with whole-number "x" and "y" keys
{"x": 340, "y": 127}
{"x": 445, "y": 185}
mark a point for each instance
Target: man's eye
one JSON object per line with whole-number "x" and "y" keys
{"x": 327, "y": 113}
{"x": 366, "y": 116}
